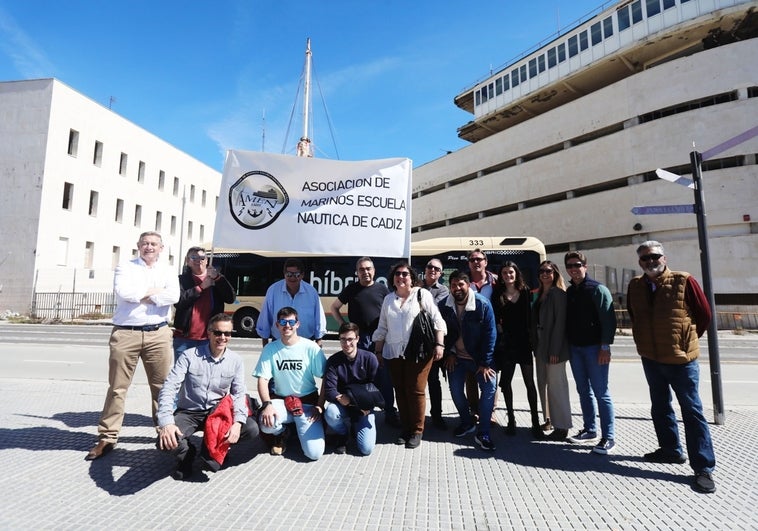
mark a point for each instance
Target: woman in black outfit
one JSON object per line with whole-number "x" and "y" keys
{"x": 512, "y": 305}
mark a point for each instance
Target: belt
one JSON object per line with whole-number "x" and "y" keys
{"x": 142, "y": 328}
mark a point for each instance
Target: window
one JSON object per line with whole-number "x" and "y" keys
{"x": 122, "y": 164}
{"x": 137, "y": 215}
{"x": 623, "y": 18}
{"x": 667, "y": 4}
{"x": 97, "y": 157}
{"x": 583, "y": 41}
{"x": 89, "y": 252}
{"x": 514, "y": 77}
{"x": 551, "y": 58}
{"x": 478, "y": 96}
{"x": 141, "y": 172}
{"x": 498, "y": 92}
{"x": 173, "y": 225}
{"x": 73, "y": 142}
{"x": 636, "y": 11}
{"x": 573, "y": 45}
{"x": 607, "y": 27}
{"x": 158, "y": 221}
{"x": 533, "y": 67}
{"x": 561, "y": 52}
{"x": 62, "y": 251}
{"x": 522, "y": 71}
{"x": 201, "y": 236}
{"x": 506, "y": 82}
{"x": 93, "y": 197}
{"x": 119, "y": 210}
{"x": 115, "y": 256}
{"x": 484, "y": 94}
{"x": 192, "y": 193}
{"x": 161, "y": 180}
{"x": 176, "y": 186}
{"x": 653, "y": 7}
{"x": 541, "y": 63}
{"x": 491, "y": 89}
{"x": 190, "y": 226}
{"x": 597, "y": 35}
{"x": 68, "y": 196}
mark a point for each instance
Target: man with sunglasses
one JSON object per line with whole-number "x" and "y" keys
{"x": 432, "y": 276}
{"x": 294, "y": 292}
{"x": 203, "y": 376}
{"x": 590, "y": 329}
{"x": 669, "y": 312}
{"x": 293, "y": 363}
{"x": 203, "y": 292}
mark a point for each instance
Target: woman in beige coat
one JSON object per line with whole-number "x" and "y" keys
{"x": 551, "y": 349}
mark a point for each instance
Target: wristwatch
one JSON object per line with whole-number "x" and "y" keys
{"x": 264, "y": 404}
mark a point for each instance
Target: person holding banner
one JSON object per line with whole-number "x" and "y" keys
{"x": 294, "y": 292}
{"x": 409, "y": 376}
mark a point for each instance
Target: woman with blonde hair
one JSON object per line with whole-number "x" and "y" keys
{"x": 551, "y": 350}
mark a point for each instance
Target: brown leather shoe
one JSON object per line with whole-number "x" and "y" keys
{"x": 99, "y": 450}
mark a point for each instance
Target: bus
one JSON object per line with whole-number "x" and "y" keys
{"x": 251, "y": 273}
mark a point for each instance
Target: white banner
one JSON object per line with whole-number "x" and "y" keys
{"x": 282, "y": 203}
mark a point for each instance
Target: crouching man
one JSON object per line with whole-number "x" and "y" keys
{"x": 204, "y": 376}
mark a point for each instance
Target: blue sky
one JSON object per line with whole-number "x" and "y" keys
{"x": 201, "y": 75}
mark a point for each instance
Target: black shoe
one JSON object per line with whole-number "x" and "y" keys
{"x": 510, "y": 429}
{"x": 341, "y": 445}
{"x": 463, "y": 430}
{"x": 662, "y": 455}
{"x": 184, "y": 468}
{"x": 537, "y": 432}
{"x": 558, "y": 435}
{"x": 439, "y": 422}
{"x": 414, "y": 441}
{"x": 704, "y": 483}
{"x": 402, "y": 439}
{"x": 546, "y": 426}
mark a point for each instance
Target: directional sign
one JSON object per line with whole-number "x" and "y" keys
{"x": 674, "y": 178}
{"x": 663, "y": 209}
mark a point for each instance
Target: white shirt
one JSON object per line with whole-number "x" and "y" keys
{"x": 131, "y": 282}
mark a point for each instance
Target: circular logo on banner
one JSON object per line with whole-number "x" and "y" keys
{"x": 257, "y": 199}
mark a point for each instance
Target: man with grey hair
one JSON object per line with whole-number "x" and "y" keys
{"x": 432, "y": 276}
{"x": 669, "y": 312}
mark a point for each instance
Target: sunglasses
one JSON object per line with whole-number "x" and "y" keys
{"x": 219, "y": 333}
{"x": 196, "y": 258}
{"x": 546, "y": 271}
{"x": 574, "y": 265}
{"x": 650, "y": 257}
{"x": 402, "y": 274}
{"x": 476, "y": 259}
{"x": 293, "y": 274}
{"x": 433, "y": 268}
{"x": 285, "y": 322}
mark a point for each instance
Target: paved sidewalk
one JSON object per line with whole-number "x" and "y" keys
{"x": 448, "y": 483}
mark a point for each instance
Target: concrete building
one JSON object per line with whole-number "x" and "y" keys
{"x": 80, "y": 183}
{"x": 566, "y": 141}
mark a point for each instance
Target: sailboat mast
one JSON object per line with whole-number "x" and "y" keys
{"x": 304, "y": 148}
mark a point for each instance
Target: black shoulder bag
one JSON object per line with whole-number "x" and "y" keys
{"x": 421, "y": 342}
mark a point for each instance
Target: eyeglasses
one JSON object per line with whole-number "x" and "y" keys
{"x": 650, "y": 257}
{"x": 546, "y": 271}
{"x": 285, "y": 322}
{"x": 348, "y": 339}
{"x": 476, "y": 259}
{"x": 293, "y": 274}
{"x": 196, "y": 258}
{"x": 402, "y": 274}
{"x": 365, "y": 269}
{"x": 431, "y": 267}
{"x": 574, "y": 265}
{"x": 219, "y": 333}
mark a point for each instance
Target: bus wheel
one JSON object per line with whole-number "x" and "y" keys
{"x": 245, "y": 320}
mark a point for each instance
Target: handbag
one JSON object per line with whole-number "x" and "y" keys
{"x": 365, "y": 396}
{"x": 423, "y": 337}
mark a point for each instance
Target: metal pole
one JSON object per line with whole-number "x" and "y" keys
{"x": 705, "y": 265}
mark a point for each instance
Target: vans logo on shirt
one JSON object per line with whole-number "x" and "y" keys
{"x": 289, "y": 365}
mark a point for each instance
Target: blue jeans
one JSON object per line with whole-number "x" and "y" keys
{"x": 592, "y": 383}
{"x": 182, "y": 343}
{"x": 310, "y": 434}
{"x": 684, "y": 380}
{"x": 487, "y": 389}
{"x": 338, "y": 418}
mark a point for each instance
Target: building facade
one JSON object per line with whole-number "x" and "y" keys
{"x": 566, "y": 141}
{"x": 80, "y": 183}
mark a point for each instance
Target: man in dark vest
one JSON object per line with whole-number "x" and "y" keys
{"x": 669, "y": 312}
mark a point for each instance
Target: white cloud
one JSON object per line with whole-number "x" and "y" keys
{"x": 28, "y": 59}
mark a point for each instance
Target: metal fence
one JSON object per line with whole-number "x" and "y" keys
{"x": 65, "y": 306}
{"x": 724, "y": 320}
